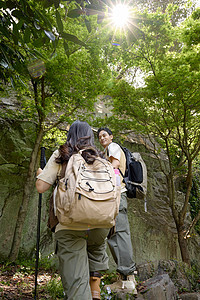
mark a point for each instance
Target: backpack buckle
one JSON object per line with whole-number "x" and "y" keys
{"x": 90, "y": 187}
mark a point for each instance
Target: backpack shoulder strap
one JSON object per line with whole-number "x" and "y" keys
{"x": 63, "y": 169}
{"x": 123, "y": 150}
{"x": 121, "y": 172}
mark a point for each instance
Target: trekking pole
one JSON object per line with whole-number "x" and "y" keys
{"x": 42, "y": 165}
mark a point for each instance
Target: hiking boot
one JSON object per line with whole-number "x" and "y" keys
{"x": 95, "y": 287}
{"x": 128, "y": 285}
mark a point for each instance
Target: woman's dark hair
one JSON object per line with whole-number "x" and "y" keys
{"x": 80, "y": 136}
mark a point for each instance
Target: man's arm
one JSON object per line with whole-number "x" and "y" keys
{"x": 115, "y": 162}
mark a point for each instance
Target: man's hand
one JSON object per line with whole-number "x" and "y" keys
{"x": 115, "y": 162}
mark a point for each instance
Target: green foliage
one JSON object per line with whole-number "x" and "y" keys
{"x": 62, "y": 86}
{"x": 179, "y": 8}
{"x": 191, "y": 34}
{"x": 28, "y": 26}
{"x": 27, "y": 266}
{"x": 164, "y": 104}
{"x": 108, "y": 277}
{"x": 22, "y": 266}
{"x": 21, "y": 22}
{"x": 193, "y": 275}
{"x": 71, "y": 85}
{"x": 54, "y": 287}
{"x": 54, "y": 138}
{"x": 167, "y": 105}
{"x": 195, "y": 197}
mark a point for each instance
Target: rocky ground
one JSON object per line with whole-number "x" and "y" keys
{"x": 164, "y": 280}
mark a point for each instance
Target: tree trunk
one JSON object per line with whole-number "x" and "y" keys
{"x": 179, "y": 219}
{"x": 28, "y": 187}
{"x": 183, "y": 245}
{"x": 182, "y": 216}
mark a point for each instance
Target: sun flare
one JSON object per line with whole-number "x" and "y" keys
{"x": 120, "y": 15}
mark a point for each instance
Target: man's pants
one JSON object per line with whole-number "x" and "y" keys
{"x": 120, "y": 242}
{"x": 79, "y": 253}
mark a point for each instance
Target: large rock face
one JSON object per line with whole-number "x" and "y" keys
{"x": 153, "y": 232}
{"x": 15, "y": 150}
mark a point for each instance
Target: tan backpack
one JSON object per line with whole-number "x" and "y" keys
{"x": 88, "y": 195}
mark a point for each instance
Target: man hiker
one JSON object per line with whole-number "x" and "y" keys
{"x": 120, "y": 242}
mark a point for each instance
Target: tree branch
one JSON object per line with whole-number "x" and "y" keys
{"x": 191, "y": 227}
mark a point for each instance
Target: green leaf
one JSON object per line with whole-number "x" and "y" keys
{"x": 28, "y": 10}
{"x": 75, "y": 13}
{"x": 56, "y": 3}
{"x": 38, "y": 42}
{"x": 6, "y": 58}
{"x": 17, "y": 14}
{"x": 20, "y": 23}
{"x": 37, "y": 26}
{"x": 18, "y": 66}
{"x": 88, "y": 25}
{"x": 59, "y": 21}
{"x": 44, "y": 18}
{"x": 47, "y": 3}
{"x": 10, "y": 4}
{"x": 50, "y": 35}
{"x": 4, "y": 64}
{"x": 55, "y": 43}
{"x": 100, "y": 17}
{"x": 3, "y": 4}
{"x": 78, "y": 2}
{"x": 91, "y": 11}
{"x": 27, "y": 35}
{"x": 38, "y": 54}
{"x": 4, "y": 31}
{"x": 72, "y": 38}
{"x": 66, "y": 47}
{"x": 15, "y": 33}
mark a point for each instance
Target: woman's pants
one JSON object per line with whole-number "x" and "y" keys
{"x": 79, "y": 253}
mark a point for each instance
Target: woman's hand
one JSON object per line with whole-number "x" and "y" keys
{"x": 39, "y": 171}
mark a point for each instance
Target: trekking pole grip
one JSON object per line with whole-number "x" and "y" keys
{"x": 42, "y": 158}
